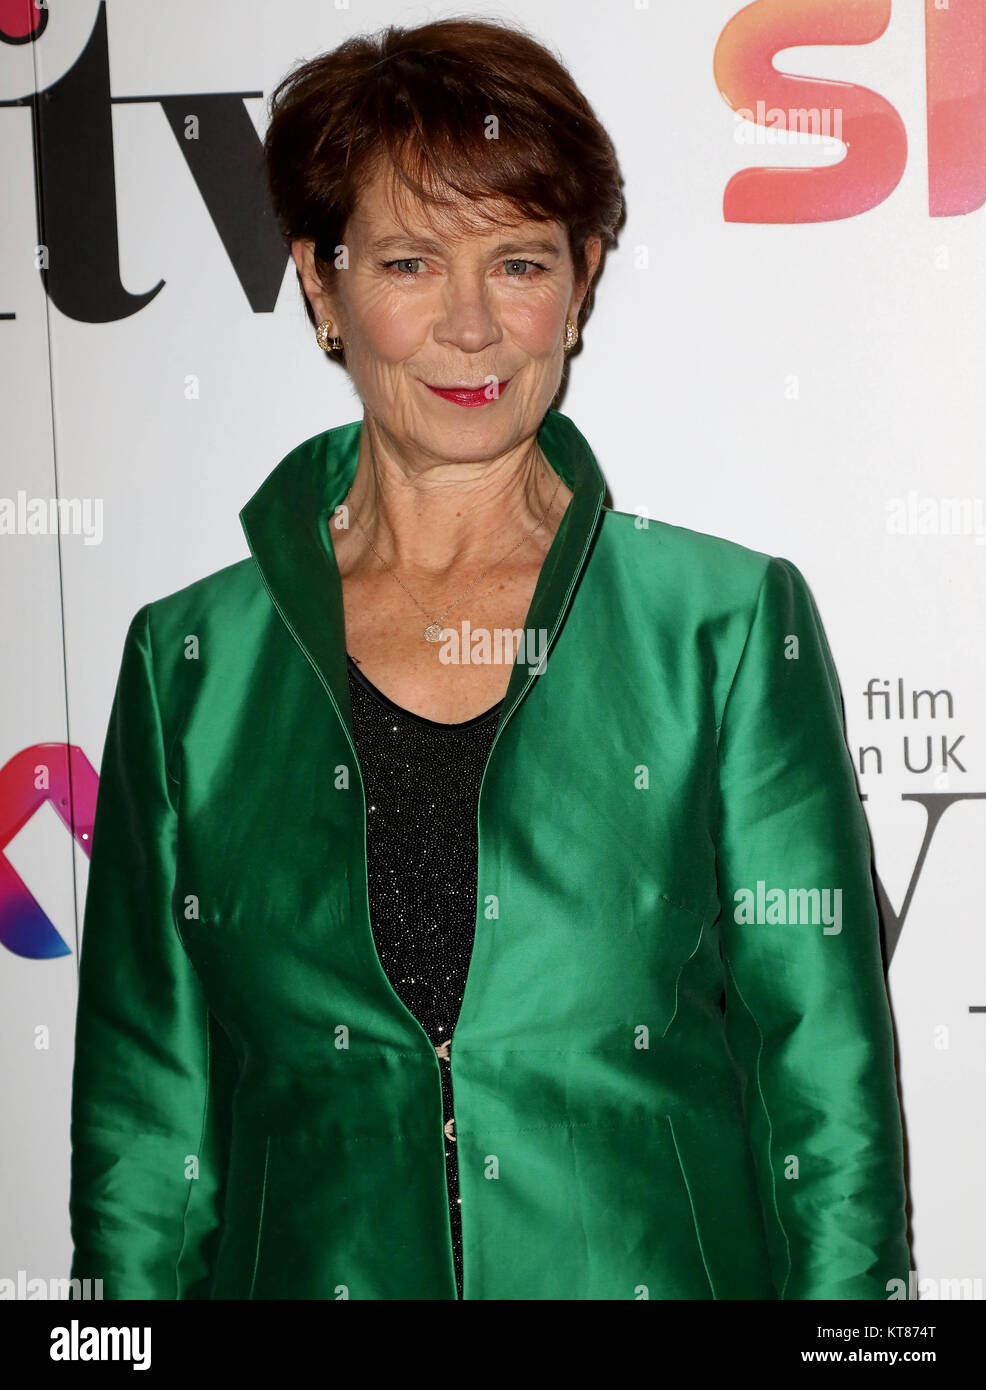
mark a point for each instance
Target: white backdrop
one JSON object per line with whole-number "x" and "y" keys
{"x": 797, "y": 387}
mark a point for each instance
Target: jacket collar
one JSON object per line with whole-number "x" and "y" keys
{"x": 286, "y": 523}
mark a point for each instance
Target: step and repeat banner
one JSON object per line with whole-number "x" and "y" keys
{"x": 787, "y": 348}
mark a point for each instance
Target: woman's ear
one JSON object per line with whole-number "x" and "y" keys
{"x": 593, "y": 251}
{"x": 303, "y": 254}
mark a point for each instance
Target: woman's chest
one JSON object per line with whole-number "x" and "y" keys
{"x": 461, "y": 668}
{"x": 595, "y": 843}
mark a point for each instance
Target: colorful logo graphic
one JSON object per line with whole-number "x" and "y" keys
{"x": 867, "y": 124}
{"x": 63, "y": 776}
{"x": 22, "y": 21}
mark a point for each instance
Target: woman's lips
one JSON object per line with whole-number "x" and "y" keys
{"x": 470, "y": 395}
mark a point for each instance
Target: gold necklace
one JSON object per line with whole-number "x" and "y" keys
{"x": 433, "y": 632}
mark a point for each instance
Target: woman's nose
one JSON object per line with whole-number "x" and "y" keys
{"x": 467, "y": 319}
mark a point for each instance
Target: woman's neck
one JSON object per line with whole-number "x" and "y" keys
{"x": 432, "y": 516}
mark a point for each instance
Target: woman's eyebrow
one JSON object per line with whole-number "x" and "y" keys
{"x": 388, "y": 243}
{"x": 527, "y": 244}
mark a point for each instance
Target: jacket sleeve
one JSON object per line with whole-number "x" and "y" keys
{"x": 807, "y": 1013}
{"x": 152, "y": 1069}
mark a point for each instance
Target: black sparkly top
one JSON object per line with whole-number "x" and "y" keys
{"x": 422, "y": 782}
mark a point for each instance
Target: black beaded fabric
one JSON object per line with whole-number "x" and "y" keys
{"x": 422, "y": 782}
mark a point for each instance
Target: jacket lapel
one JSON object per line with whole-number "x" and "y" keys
{"x": 286, "y": 523}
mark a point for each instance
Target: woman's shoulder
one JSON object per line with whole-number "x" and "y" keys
{"x": 219, "y": 602}
{"x": 698, "y": 565}
{"x": 697, "y": 581}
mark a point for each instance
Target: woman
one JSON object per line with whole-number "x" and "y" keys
{"x": 335, "y": 784}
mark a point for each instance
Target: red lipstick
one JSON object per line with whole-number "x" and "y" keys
{"x": 469, "y": 395}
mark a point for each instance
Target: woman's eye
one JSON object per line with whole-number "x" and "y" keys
{"x": 517, "y": 268}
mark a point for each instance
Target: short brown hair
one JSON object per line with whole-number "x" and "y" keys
{"x": 422, "y": 98}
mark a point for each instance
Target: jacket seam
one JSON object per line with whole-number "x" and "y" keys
{"x": 152, "y": 677}
{"x": 746, "y": 643}
{"x": 166, "y": 749}
{"x": 260, "y": 1219}
{"x": 691, "y": 1203}
{"x": 770, "y": 1128}
{"x": 681, "y": 970}
{"x": 682, "y": 907}
{"x": 198, "y": 1153}
{"x": 167, "y": 744}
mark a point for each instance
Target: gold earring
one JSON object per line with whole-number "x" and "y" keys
{"x": 571, "y": 334}
{"x": 324, "y": 339}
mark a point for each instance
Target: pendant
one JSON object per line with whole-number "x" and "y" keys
{"x": 433, "y": 632}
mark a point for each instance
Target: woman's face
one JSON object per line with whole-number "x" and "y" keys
{"x": 432, "y": 307}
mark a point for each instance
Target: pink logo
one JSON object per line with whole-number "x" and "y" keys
{"x": 63, "y": 776}
{"x": 864, "y": 121}
{"x": 22, "y": 21}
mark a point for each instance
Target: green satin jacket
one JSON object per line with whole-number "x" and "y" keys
{"x": 673, "y": 1071}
